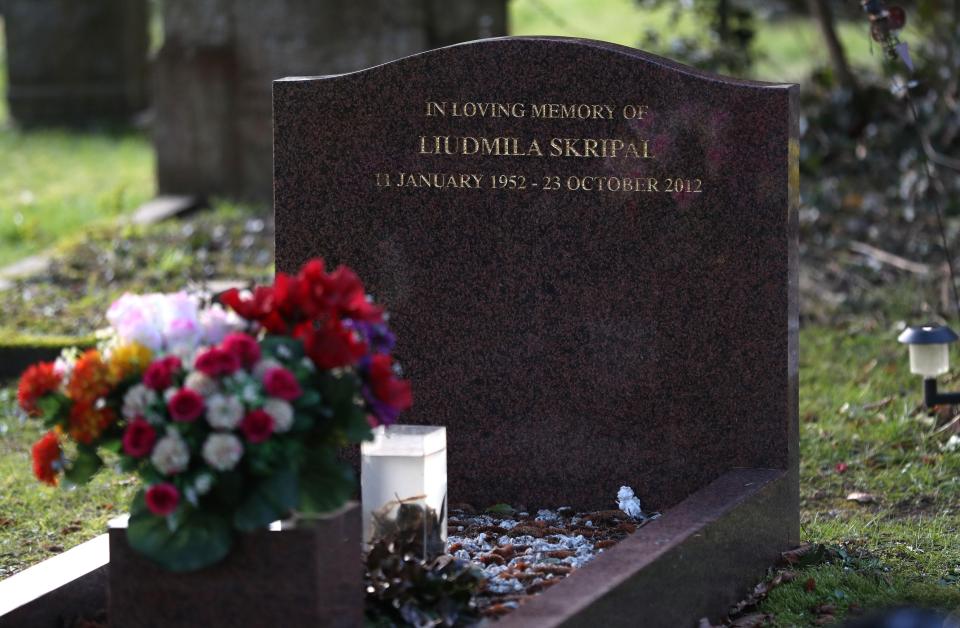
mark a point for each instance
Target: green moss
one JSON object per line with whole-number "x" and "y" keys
{"x": 10, "y": 339}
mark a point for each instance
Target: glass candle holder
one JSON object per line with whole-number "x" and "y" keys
{"x": 403, "y": 477}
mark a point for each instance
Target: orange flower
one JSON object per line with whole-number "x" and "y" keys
{"x": 127, "y": 360}
{"x": 87, "y": 422}
{"x": 46, "y": 454}
{"x": 38, "y": 380}
{"x": 90, "y": 379}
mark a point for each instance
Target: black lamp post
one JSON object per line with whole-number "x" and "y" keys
{"x": 930, "y": 357}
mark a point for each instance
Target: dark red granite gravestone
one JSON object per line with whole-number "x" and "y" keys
{"x": 589, "y": 253}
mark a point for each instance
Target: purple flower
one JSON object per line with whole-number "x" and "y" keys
{"x": 377, "y": 335}
{"x": 384, "y": 413}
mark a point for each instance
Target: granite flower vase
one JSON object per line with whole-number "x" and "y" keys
{"x": 310, "y": 575}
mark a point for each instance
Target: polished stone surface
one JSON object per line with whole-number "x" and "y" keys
{"x": 571, "y": 341}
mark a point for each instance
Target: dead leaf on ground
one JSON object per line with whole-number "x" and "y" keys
{"x": 761, "y": 590}
{"x": 753, "y": 620}
{"x": 876, "y": 405}
{"x": 824, "y": 609}
{"x": 826, "y": 619}
{"x": 807, "y": 555}
{"x": 810, "y": 585}
{"x": 861, "y": 498}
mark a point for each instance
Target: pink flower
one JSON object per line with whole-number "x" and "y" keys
{"x": 138, "y": 439}
{"x": 257, "y": 426}
{"x": 216, "y": 362}
{"x": 242, "y": 347}
{"x": 162, "y": 499}
{"x": 281, "y": 383}
{"x": 186, "y": 405}
{"x": 159, "y": 375}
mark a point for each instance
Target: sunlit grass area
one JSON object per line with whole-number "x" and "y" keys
{"x": 55, "y": 182}
{"x": 787, "y": 48}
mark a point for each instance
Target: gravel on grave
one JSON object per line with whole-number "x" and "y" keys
{"x": 523, "y": 554}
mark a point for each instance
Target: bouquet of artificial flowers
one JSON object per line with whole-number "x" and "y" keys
{"x": 231, "y": 412}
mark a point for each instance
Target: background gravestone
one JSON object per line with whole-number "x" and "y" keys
{"x": 570, "y": 340}
{"x": 213, "y": 129}
{"x": 75, "y": 62}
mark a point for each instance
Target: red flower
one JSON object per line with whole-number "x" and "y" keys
{"x": 257, "y": 426}
{"x": 281, "y": 383}
{"x": 159, "y": 375}
{"x": 37, "y": 381}
{"x": 87, "y": 421}
{"x": 342, "y": 289}
{"x": 90, "y": 378}
{"x": 386, "y": 386}
{"x": 186, "y": 405}
{"x": 243, "y": 347}
{"x": 841, "y": 467}
{"x": 138, "y": 439}
{"x": 216, "y": 362}
{"x": 331, "y": 346}
{"x": 162, "y": 499}
{"x": 46, "y": 452}
{"x": 311, "y": 288}
{"x": 260, "y": 306}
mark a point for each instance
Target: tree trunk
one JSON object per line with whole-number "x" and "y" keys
{"x": 820, "y": 9}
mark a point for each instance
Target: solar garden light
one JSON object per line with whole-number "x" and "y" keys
{"x": 930, "y": 357}
{"x": 403, "y": 477}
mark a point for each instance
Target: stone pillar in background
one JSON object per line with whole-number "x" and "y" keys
{"x": 73, "y": 63}
{"x": 214, "y": 73}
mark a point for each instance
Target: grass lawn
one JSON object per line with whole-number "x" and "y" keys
{"x": 89, "y": 271}
{"x": 788, "y": 48}
{"x": 57, "y": 182}
{"x": 858, "y": 407}
{"x": 37, "y": 521}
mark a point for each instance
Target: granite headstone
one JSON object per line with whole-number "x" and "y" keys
{"x": 76, "y": 63}
{"x": 589, "y": 253}
{"x": 213, "y": 73}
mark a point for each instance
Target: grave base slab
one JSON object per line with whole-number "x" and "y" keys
{"x": 698, "y": 559}
{"x": 308, "y": 576}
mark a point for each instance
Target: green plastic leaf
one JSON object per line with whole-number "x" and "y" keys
{"x": 113, "y": 445}
{"x": 284, "y": 348}
{"x": 325, "y": 482}
{"x": 201, "y": 539}
{"x": 309, "y": 400}
{"x": 357, "y": 428}
{"x": 501, "y": 509}
{"x": 271, "y": 499}
{"x": 84, "y": 466}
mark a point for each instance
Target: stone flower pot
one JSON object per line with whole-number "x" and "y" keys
{"x": 307, "y": 576}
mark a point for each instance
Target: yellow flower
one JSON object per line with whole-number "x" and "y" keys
{"x": 127, "y": 360}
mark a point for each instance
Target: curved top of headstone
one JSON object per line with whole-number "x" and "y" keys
{"x": 589, "y": 254}
{"x": 503, "y": 45}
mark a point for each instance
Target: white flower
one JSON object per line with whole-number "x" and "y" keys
{"x": 169, "y": 393}
{"x": 170, "y": 455}
{"x": 137, "y": 400}
{"x": 203, "y": 483}
{"x": 224, "y": 412}
{"x": 282, "y": 413}
{"x": 629, "y": 503}
{"x": 222, "y": 451}
{"x": 217, "y": 322}
{"x": 201, "y": 383}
